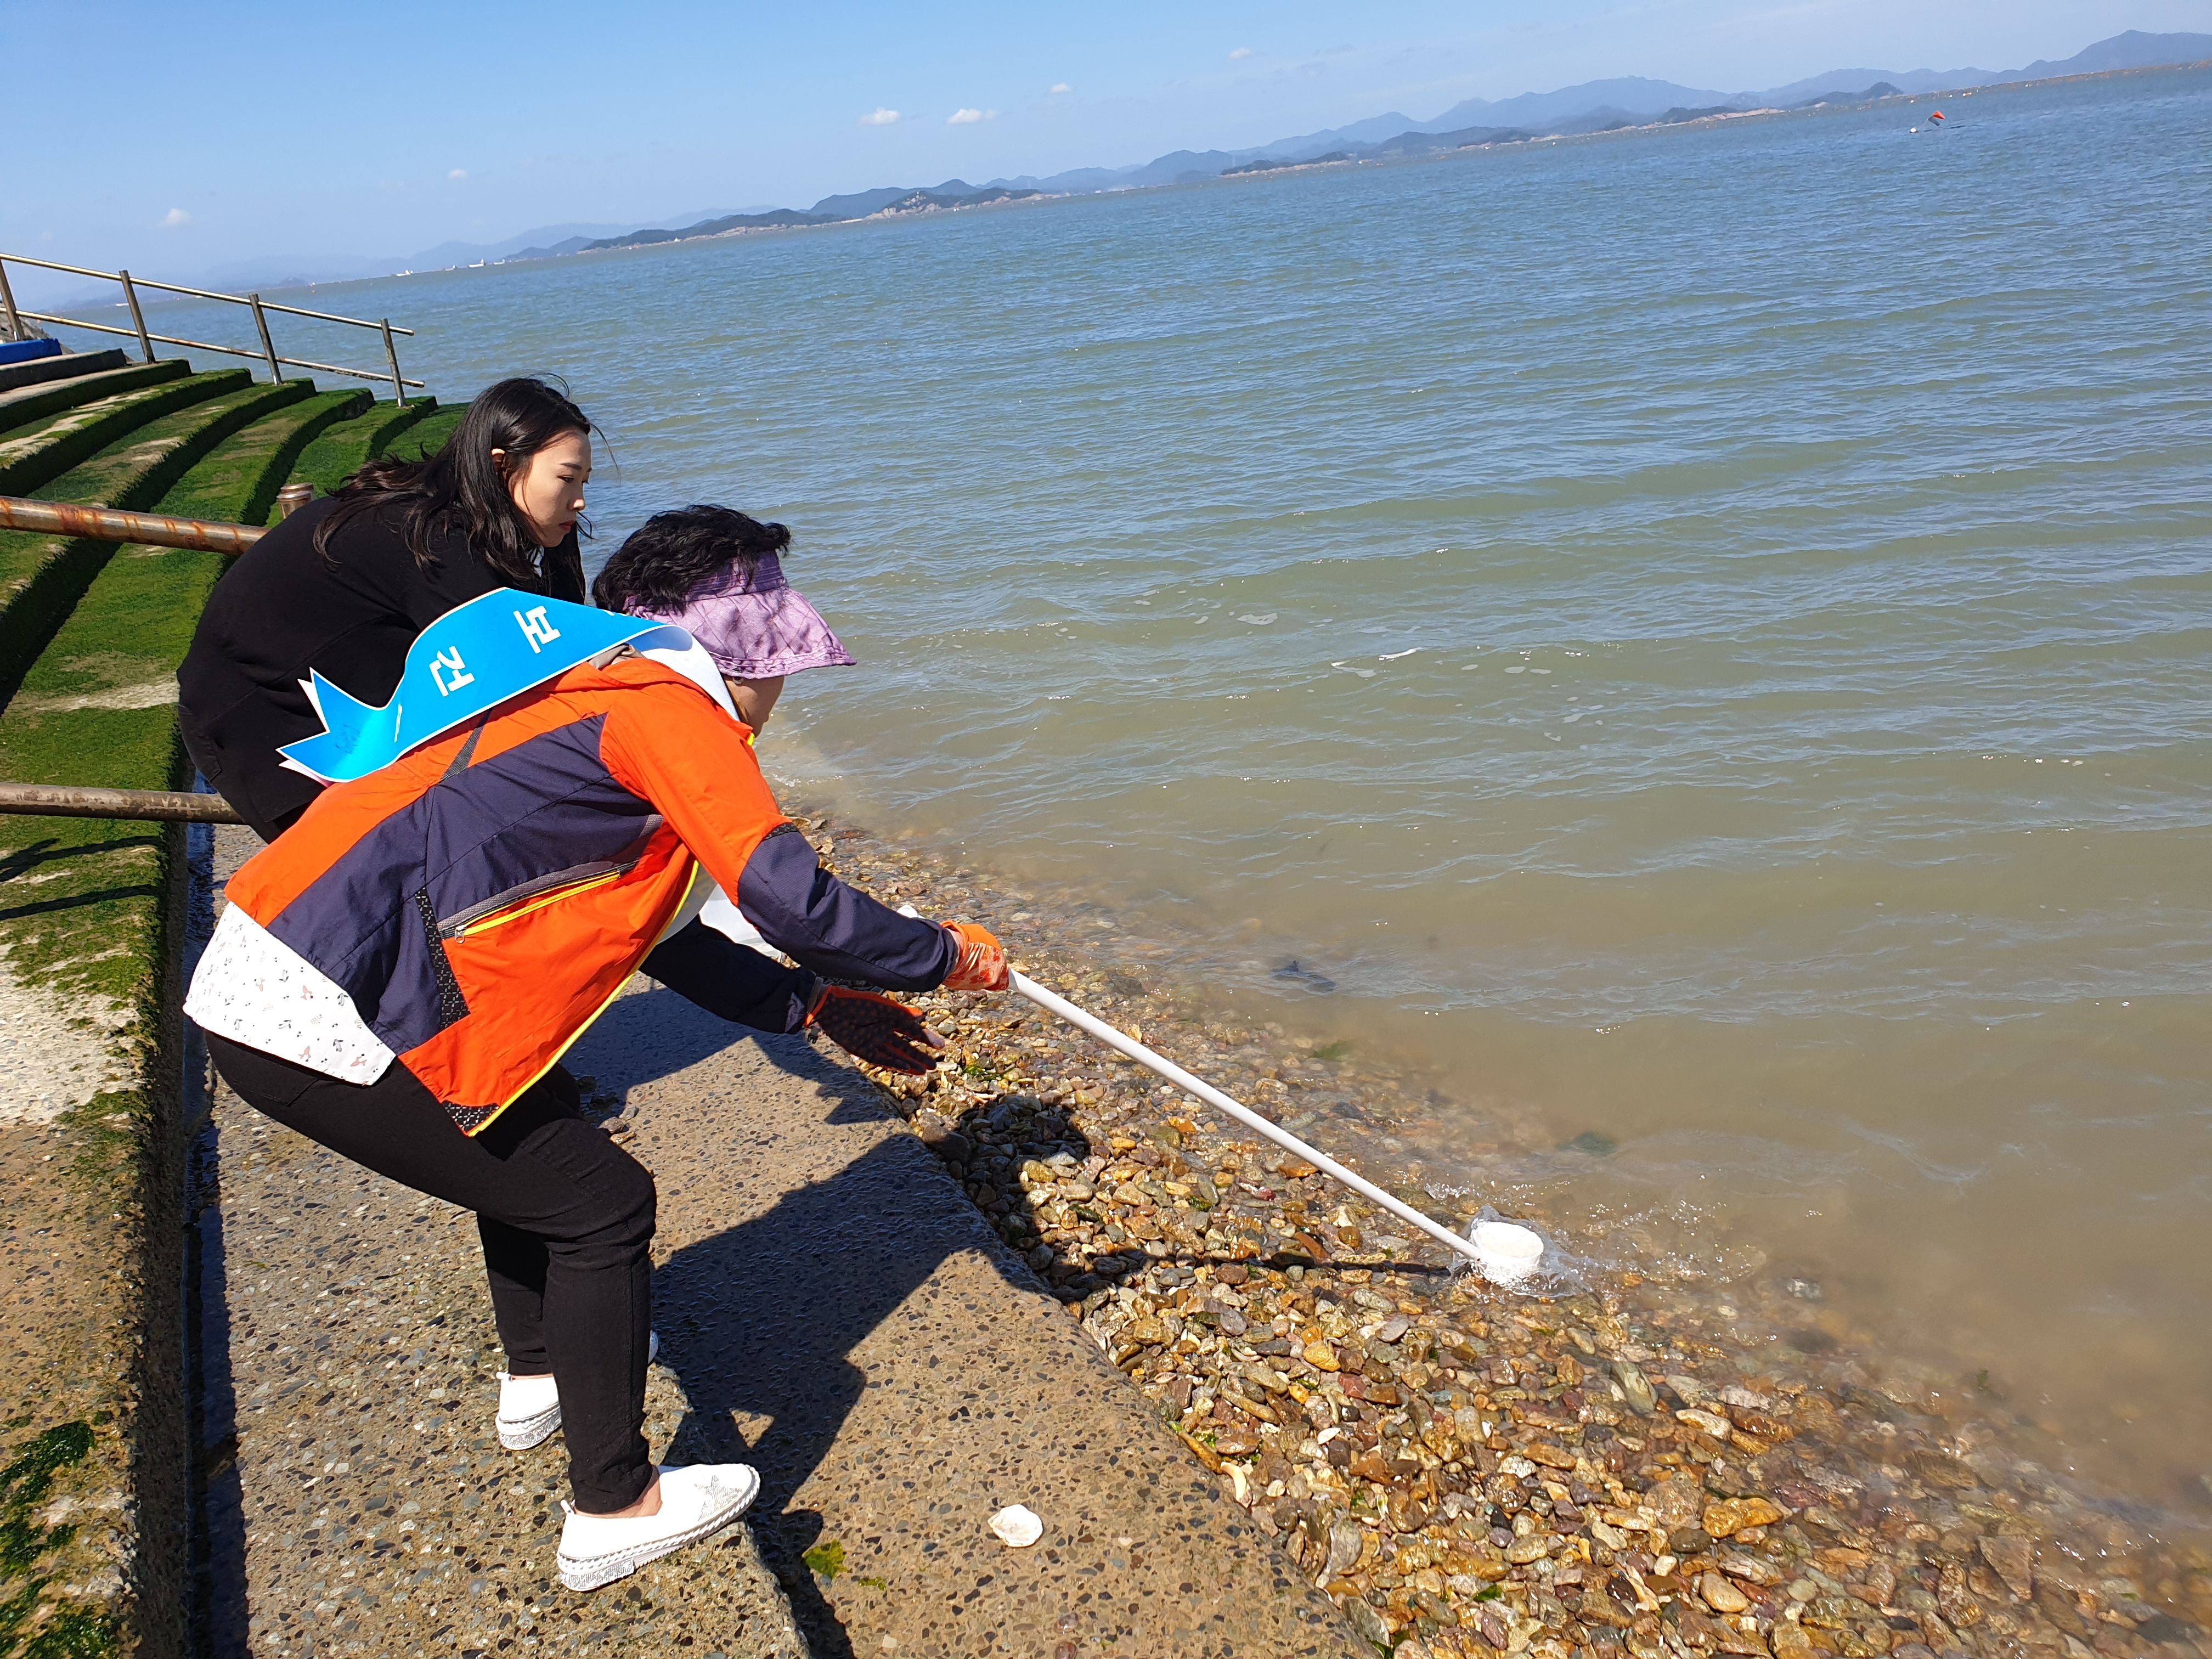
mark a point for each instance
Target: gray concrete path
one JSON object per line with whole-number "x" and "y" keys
{"x": 357, "y": 1499}
{"x": 840, "y": 1315}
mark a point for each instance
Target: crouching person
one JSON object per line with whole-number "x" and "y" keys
{"x": 397, "y": 975}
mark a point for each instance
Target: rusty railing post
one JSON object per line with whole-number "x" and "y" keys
{"x": 392, "y": 353}
{"x": 268, "y": 346}
{"x": 292, "y": 497}
{"x": 8, "y": 300}
{"x": 107, "y": 524}
{"x": 138, "y": 317}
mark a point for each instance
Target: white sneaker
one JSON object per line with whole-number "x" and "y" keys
{"x": 695, "y": 1501}
{"x": 530, "y": 1407}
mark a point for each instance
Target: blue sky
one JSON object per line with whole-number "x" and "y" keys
{"x": 184, "y": 137}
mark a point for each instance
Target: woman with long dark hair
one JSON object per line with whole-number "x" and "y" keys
{"x": 344, "y": 584}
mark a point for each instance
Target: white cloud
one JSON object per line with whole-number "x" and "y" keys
{"x": 1061, "y": 86}
{"x": 457, "y": 175}
{"x": 882, "y": 118}
{"x": 1241, "y": 54}
{"x": 174, "y": 217}
{"x": 968, "y": 117}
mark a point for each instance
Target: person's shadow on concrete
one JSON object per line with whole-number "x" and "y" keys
{"x": 760, "y": 1321}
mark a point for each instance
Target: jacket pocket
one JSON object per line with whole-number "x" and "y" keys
{"x": 535, "y": 893}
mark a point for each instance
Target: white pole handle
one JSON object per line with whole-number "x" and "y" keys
{"x": 1250, "y": 1118}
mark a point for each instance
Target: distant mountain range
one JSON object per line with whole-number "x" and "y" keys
{"x": 1592, "y": 107}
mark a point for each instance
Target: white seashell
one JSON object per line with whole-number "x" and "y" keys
{"x": 1016, "y": 1525}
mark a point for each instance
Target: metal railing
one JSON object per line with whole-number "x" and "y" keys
{"x": 51, "y": 800}
{"x": 107, "y": 524}
{"x": 16, "y": 316}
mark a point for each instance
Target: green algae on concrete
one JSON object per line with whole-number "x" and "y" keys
{"x": 26, "y": 1542}
{"x": 98, "y": 705}
{"x": 429, "y": 435}
{"x": 36, "y": 402}
{"x": 41, "y": 576}
{"x": 266, "y": 452}
{"x": 32, "y": 459}
{"x": 344, "y": 448}
{"x": 91, "y": 926}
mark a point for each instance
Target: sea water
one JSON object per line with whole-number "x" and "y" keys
{"x": 1699, "y": 638}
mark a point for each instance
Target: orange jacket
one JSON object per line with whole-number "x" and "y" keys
{"x": 482, "y": 899}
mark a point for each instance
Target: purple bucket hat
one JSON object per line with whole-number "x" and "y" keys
{"x": 757, "y": 626}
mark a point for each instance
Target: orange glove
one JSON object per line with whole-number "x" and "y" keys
{"x": 983, "y": 965}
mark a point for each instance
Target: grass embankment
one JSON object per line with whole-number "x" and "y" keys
{"x": 99, "y": 707}
{"x": 41, "y": 577}
{"x": 90, "y": 918}
{"x": 340, "y": 452}
{"x": 31, "y": 460}
{"x": 38, "y": 402}
{"x": 428, "y": 436}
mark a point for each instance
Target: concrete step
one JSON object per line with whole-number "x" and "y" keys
{"x": 36, "y": 403}
{"x": 427, "y": 436}
{"x": 339, "y": 452}
{"x": 42, "y": 577}
{"x": 30, "y": 460}
{"x": 37, "y": 371}
{"x": 240, "y": 479}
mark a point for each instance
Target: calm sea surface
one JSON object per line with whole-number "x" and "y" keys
{"x": 1700, "y": 637}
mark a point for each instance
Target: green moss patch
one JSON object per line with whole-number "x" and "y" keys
{"x": 36, "y": 402}
{"x": 73, "y": 1633}
{"x": 25, "y": 1542}
{"x": 342, "y": 449}
{"x": 41, "y": 576}
{"x": 24, "y": 1485}
{"x": 32, "y": 459}
{"x": 240, "y": 479}
{"x": 429, "y": 435}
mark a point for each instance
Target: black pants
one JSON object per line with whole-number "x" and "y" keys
{"x": 566, "y": 1220}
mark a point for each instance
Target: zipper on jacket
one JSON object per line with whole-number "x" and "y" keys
{"x": 550, "y": 888}
{"x": 496, "y": 911}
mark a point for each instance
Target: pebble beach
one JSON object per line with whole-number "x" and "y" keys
{"x": 1618, "y": 1460}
